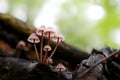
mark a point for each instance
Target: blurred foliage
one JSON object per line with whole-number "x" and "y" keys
{"x": 30, "y": 6}
{"x": 79, "y": 31}
{"x": 87, "y": 34}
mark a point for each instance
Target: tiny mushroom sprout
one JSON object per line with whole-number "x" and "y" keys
{"x": 49, "y": 32}
{"x": 33, "y": 38}
{"x": 21, "y": 44}
{"x": 57, "y": 37}
{"x": 49, "y": 61}
{"x": 46, "y": 49}
{"x": 40, "y": 32}
{"x": 60, "y": 67}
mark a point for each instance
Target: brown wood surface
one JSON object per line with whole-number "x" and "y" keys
{"x": 13, "y": 30}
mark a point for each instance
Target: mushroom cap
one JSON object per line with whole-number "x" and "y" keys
{"x": 47, "y": 48}
{"x": 33, "y": 38}
{"x": 60, "y": 67}
{"x": 50, "y": 60}
{"x": 49, "y": 30}
{"x": 58, "y": 35}
{"x": 20, "y": 44}
{"x": 40, "y": 30}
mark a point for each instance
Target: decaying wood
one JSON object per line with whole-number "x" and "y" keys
{"x": 13, "y": 30}
{"x": 21, "y": 69}
{"x": 19, "y": 63}
{"x": 15, "y": 62}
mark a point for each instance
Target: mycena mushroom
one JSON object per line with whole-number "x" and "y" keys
{"x": 40, "y": 32}
{"x": 21, "y": 47}
{"x": 46, "y": 49}
{"x": 57, "y": 37}
{"x": 33, "y": 38}
{"x": 21, "y": 44}
{"x": 60, "y": 67}
{"x": 49, "y": 32}
{"x": 50, "y": 61}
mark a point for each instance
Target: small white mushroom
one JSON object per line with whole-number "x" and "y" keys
{"x": 21, "y": 44}
{"x": 49, "y": 32}
{"x": 60, "y": 67}
{"x": 49, "y": 61}
{"x": 46, "y": 49}
{"x": 58, "y": 37}
{"x": 40, "y": 32}
{"x": 33, "y": 38}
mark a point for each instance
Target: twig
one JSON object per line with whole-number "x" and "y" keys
{"x": 96, "y": 64}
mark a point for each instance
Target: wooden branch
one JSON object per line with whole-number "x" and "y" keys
{"x": 20, "y": 69}
{"x": 13, "y": 30}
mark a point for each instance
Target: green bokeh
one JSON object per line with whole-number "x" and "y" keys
{"x": 77, "y": 29}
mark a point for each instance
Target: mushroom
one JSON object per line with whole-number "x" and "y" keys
{"x": 46, "y": 49}
{"x": 40, "y": 32}
{"x": 49, "y": 61}
{"x": 21, "y": 44}
{"x": 60, "y": 67}
{"x": 57, "y": 37}
{"x": 20, "y": 48}
{"x": 49, "y": 31}
{"x": 33, "y": 38}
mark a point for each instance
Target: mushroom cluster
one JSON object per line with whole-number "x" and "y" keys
{"x": 38, "y": 36}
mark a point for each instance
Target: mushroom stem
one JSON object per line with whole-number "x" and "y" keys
{"x": 48, "y": 38}
{"x": 46, "y": 52}
{"x": 37, "y": 56}
{"x": 54, "y": 48}
{"x": 41, "y": 46}
{"x": 59, "y": 72}
{"x": 45, "y": 56}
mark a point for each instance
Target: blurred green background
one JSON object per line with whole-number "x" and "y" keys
{"x": 86, "y": 24}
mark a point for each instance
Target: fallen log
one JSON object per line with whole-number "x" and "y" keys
{"x": 13, "y": 30}
{"x": 19, "y": 69}
{"x": 15, "y": 62}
